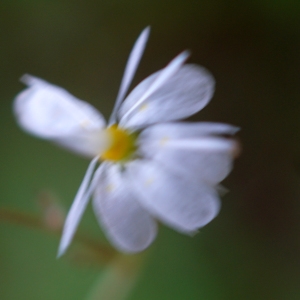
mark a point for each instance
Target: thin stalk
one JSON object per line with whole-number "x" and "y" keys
{"x": 34, "y": 222}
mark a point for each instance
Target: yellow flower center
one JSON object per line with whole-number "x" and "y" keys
{"x": 122, "y": 144}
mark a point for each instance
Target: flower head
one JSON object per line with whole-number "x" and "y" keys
{"x": 151, "y": 166}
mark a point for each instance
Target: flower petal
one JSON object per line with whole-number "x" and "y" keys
{"x": 126, "y": 223}
{"x": 131, "y": 66}
{"x": 50, "y": 112}
{"x": 183, "y": 204}
{"x": 79, "y": 205}
{"x": 184, "y": 93}
{"x": 181, "y": 130}
{"x": 190, "y": 150}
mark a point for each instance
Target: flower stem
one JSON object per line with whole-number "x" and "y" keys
{"x": 104, "y": 252}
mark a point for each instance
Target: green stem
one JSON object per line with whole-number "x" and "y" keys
{"x": 105, "y": 252}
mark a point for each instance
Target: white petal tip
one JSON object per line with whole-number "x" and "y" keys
{"x": 61, "y": 249}
{"x": 235, "y": 129}
{"x": 59, "y": 254}
{"x": 185, "y": 55}
{"x": 31, "y": 80}
{"x": 143, "y": 37}
{"x": 146, "y": 31}
{"x": 27, "y": 79}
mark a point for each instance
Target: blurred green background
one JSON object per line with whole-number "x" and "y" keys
{"x": 252, "y": 249}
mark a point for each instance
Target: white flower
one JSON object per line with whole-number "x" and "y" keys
{"x": 150, "y": 168}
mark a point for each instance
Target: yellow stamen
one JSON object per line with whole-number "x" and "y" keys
{"x": 122, "y": 144}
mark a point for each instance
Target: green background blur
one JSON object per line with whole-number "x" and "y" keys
{"x": 252, "y": 249}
